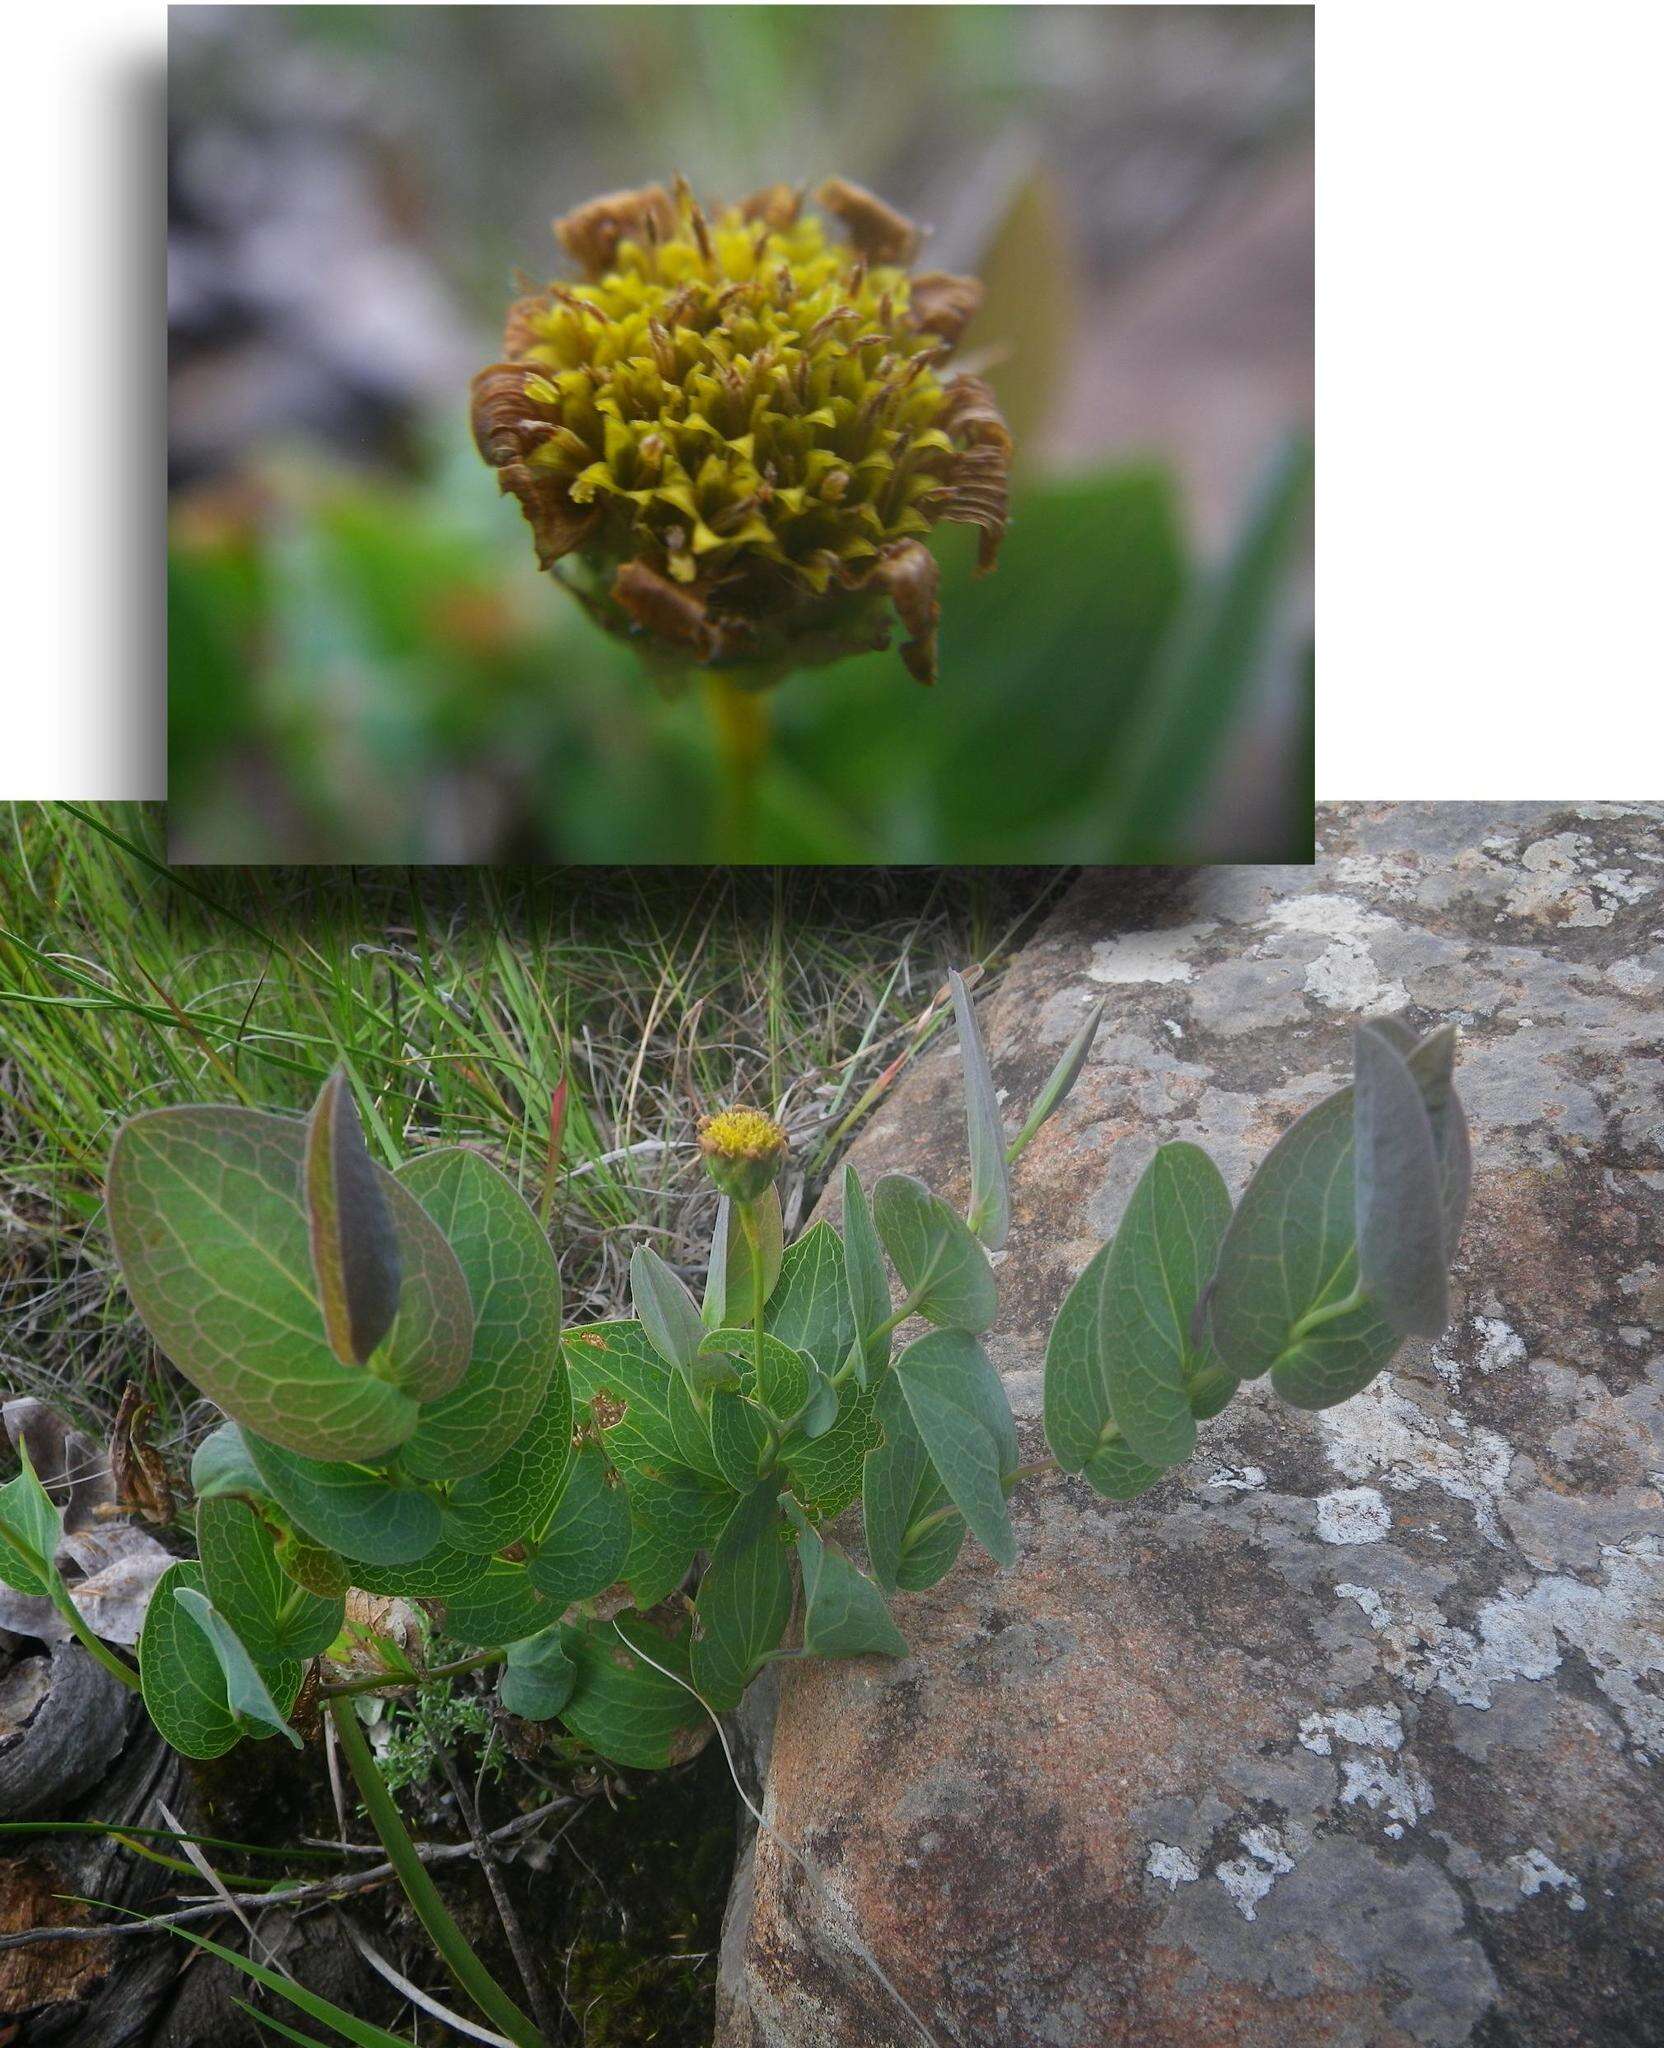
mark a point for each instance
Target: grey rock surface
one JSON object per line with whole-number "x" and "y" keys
{"x": 1348, "y": 1732}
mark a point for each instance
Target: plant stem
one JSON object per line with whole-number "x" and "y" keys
{"x": 376, "y": 1682}
{"x": 90, "y": 1642}
{"x": 1329, "y": 1313}
{"x": 754, "y": 1244}
{"x": 742, "y": 732}
{"x": 458, "y": 1957}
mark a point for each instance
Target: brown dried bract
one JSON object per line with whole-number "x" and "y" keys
{"x": 591, "y": 235}
{"x": 674, "y": 612}
{"x": 880, "y": 233}
{"x": 776, "y": 206}
{"x": 140, "y": 1477}
{"x": 505, "y": 434}
{"x": 941, "y": 303}
{"x": 908, "y": 575}
{"x": 977, "y": 491}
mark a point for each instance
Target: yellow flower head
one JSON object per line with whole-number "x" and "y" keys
{"x": 743, "y": 1151}
{"x": 733, "y": 431}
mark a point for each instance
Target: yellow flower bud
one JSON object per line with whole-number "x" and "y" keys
{"x": 743, "y": 1151}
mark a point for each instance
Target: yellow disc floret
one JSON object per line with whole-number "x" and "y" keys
{"x": 743, "y": 1151}
{"x": 733, "y": 431}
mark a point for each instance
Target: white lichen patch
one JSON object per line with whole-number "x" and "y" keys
{"x": 1615, "y": 1626}
{"x": 1379, "y": 1728}
{"x": 1631, "y": 976}
{"x": 1147, "y": 956}
{"x": 1344, "y": 975}
{"x": 1356, "y": 1514}
{"x": 1388, "y": 874}
{"x": 1561, "y": 885}
{"x": 1237, "y": 1479}
{"x": 1328, "y": 916}
{"x": 1248, "y": 1878}
{"x": 1168, "y": 1864}
{"x": 1539, "y": 1872}
{"x": 1499, "y": 1346}
{"x": 1423, "y": 1650}
{"x": 1395, "y": 1790}
{"x": 1379, "y": 1434}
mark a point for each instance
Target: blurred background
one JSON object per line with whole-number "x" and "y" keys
{"x": 366, "y": 665}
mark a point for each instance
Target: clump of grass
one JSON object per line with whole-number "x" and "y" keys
{"x": 458, "y": 1001}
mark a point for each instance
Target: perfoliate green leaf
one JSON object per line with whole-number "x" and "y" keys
{"x": 825, "y": 1471}
{"x": 1433, "y": 1063}
{"x": 780, "y": 1379}
{"x": 184, "y": 1686}
{"x": 513, "y": 1497}
{"x": 844, "y": 1614}
{"x": 361, "y": 1514}
{"x": 745, "y": 1600}
{"x": 500, "y": 1606}
{"x": 942, "y": 1265}
{"x": 1397, "y": 1192}
{"x": 443, "y": 1574}
{"x": 959, "y": 1408}
{"x": 624, "y": 1708}
{"x": 1059, "y": 1082}
{"x": 206, "y": 1211}
{"x": 221, "y": 1464}
{"x": 728, "y": 1283}
{"x": 1210, "y": 1392}
{"x": 809, "y": 1308}
{"x": 868, "y": 1283}
{"x": 584, "y": 1548}
{"x": 664, "y": 1308}
{"x": 740, "y": 1438}
{"x": 821, "y": 1414}
{"x": 713, "y": 1309}
{"x": 690, "y": 1424}
{"x": 273, "y": 1616}
{"x": 629, "y": 1394}
{"x": 622, "y": 1385}
{"x": 990, "y": 1211}
{"x": 1118, "y": 1473}
{"x": 1120, "y": 1355}
{"x": 514, "y": 1287}
{"x": 538, "y": 1676}
{"x": 310, "y": 1565}
{"x": 674, "y": 1514}
{"x": 247, "y": 1693}
{"x": 355, "y": 1250}
{"x": 1289, "y": 1260}
{"x": 30, "y": 1531}
{"x": 911, "y": 1542}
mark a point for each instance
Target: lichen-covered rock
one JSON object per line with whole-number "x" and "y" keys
{"x": 1349, "y": 1731}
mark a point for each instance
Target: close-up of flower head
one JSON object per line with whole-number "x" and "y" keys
{"x": 743, "y": 1151}
{"x": 731, "y": 434}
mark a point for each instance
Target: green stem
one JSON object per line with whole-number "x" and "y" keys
{"x": 920, "y": 1528}
{"x": 385, "y": 1681}
{"x": 102, "y": 1651}
{"x": 759, "y": 1296}
{"x": 1329, "y": 1313}
{"x": 459, "y": 1958}
{"x": 47, "y": 1573}
{"x": 890, "y": 1323}
{"x": 742, "y": 733}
